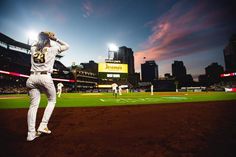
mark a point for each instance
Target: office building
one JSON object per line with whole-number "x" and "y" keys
{"x": 125, "y": 55}
{"x": 230, "y": 55}
{"x": 178, "y": 70}
{"x": 149, "y": 71}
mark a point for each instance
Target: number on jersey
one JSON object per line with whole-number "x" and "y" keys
{"x": 39, "y": 57}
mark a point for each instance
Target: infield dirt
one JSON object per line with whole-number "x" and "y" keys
{"x": 206, "y": 129}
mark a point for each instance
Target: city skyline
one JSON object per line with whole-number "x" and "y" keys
{"x": 194, "y": 32}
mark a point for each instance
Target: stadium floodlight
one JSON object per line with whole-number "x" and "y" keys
{"x": 32, "y": 35}
{"x": 113, "y": 48}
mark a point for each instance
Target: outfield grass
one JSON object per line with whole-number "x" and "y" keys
{"x": 106, "y": 99}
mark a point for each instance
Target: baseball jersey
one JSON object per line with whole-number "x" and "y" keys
{"x": 59, "y": 85}
{"x": 114, "y": 86}
{"x": 44, "y": 60}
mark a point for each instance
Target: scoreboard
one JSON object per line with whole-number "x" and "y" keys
{"x": 112, "y": 70}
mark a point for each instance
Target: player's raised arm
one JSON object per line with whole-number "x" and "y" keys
{"x": 63, "y": 45}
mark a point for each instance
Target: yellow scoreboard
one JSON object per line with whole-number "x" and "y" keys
{"x": 112, "y": 70}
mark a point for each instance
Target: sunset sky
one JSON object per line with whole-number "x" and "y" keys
{"x": 194, "y": 31}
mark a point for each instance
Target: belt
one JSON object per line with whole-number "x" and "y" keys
{"x": 39, "y": 72}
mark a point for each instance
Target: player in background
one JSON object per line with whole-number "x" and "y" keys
{"x": 59, "y": 89}
{"x": 116, "y": 91}
{"x": 120, "y": 90}
{"x": 43, "y": 54}
{"x": 113, "y": 87}
{"x": 151, "y": 89}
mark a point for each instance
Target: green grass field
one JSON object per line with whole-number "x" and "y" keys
{"x": 106, "y": 99}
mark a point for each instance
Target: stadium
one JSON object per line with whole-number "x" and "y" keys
{"x": 89, "y": 121}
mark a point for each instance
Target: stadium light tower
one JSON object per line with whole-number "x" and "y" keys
{"x": 112, "y": 48}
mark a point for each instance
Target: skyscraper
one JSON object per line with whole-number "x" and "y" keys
{"x": 179, "y": 72}
{"x": 125, "y": 55}
{"x": 230, "y": 55}
{"x": 178, "y": 69}
{"x": 149, "y": 71}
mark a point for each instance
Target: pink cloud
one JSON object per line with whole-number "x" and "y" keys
{"x": 183, "y": 30}
{"x": 87, "y": 8}
{"x": 160, "y": 32}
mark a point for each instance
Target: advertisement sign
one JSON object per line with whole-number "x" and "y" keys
{"x": 112, "y": 68}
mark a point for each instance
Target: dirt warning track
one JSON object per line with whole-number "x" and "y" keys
{"x": 206, "y": 129}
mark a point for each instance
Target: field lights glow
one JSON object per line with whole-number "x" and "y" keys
{"x": 112, "y": 47}
{"x": 228, "y": 74}
{"x": 32, "y": 35}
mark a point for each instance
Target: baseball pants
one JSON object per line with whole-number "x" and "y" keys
{"x": 35, "y": 84}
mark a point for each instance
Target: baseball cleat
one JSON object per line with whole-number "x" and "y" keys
{"x": 31, "y": 136}
{"x": 45, "y": 130}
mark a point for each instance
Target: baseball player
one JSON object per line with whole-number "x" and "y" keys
{"x": 42, "y": 59}
{"x": 120, "y": 90}
{"x": 116, "y": 91}
{"x": 59, "y": 89}
{"x": 151, "y": 89}
{"x": 114, "y": 88}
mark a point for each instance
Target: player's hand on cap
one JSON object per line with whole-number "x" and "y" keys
{"x": 51, "y": 35}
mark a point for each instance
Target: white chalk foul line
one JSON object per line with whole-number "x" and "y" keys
{"x": 130, "y": 100}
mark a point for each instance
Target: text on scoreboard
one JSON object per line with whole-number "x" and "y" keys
{"x": 112, "y": 68}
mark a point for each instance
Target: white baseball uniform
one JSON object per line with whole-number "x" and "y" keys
{"x": 120, "y": 90}
{"x": 151, "y": 89}
{"x": 114, "y": 88}
{"x": 41, "y": 80}
{"x": 59, "y": 89}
